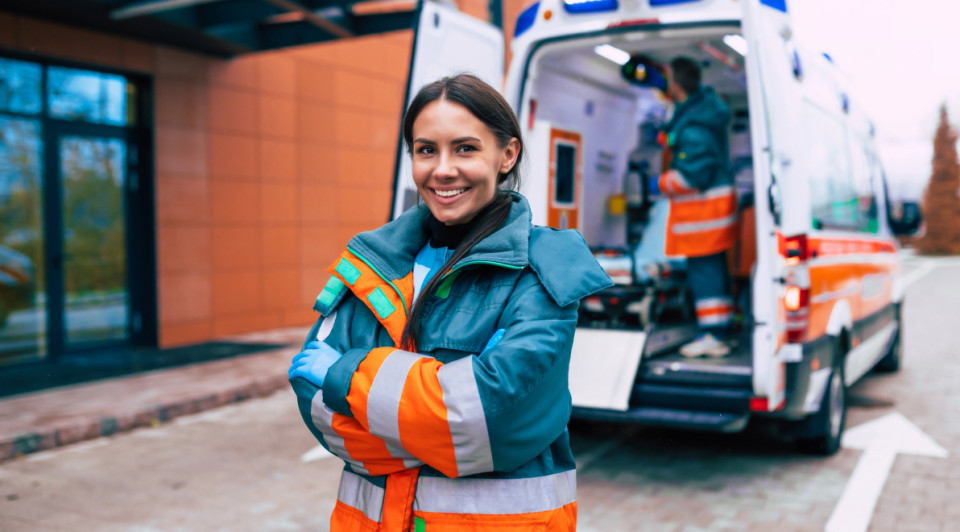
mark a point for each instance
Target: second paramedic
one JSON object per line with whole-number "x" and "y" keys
{"x": 438, "y": 369}
{"x": 698, "y": 179}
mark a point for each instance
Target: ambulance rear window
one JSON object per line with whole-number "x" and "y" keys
{"x": 566, "y": 161}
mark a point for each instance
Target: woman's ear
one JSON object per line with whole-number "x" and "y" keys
{"x": 510, "y": 154}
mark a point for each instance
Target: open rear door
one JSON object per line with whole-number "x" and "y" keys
{"x": 446, "y": 42}
{"x": 773, "y": 73}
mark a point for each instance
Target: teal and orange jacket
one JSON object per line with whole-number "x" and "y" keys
{"x": 703, "y": 202}
{"x": 453, "y": 436}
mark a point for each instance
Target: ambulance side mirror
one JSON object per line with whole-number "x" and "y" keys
{"x": 905, "y": 218}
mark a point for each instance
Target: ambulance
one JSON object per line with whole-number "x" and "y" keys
{"x": 815, "y": 271}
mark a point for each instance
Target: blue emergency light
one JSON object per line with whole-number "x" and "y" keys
{"x": 526, "y": 19}
{"x": 576, "y": 7}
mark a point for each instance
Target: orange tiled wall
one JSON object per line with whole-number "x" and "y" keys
{"x": 265, "y": 166}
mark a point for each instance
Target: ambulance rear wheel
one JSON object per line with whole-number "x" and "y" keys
{"x": 826, "y": 426}
{"x": 890, "y": 363}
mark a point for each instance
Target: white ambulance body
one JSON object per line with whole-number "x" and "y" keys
{"x": 819, "y": 282}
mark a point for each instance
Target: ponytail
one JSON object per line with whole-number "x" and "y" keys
{"x": 491, "y": 217}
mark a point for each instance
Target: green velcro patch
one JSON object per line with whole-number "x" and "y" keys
{"x": 348, "y": 271}
{"x": 380, "y": 303}
{"x": 444, "y": 290}
{"x": 419, "y": 525}
{"x": 330, "y": 291}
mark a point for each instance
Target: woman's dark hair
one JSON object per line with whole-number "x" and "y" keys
{"x": 485, "y": 103}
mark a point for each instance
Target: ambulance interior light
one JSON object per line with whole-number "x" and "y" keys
{"x": 589, "y": 6}
{"x": 736, "y": 43}
{"x": 612, "y": 53}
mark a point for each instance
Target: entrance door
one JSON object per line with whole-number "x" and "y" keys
{"x": 91, "y": 262}
{"x": 72, "y": 277}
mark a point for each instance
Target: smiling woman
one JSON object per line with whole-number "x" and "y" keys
{"x": 450, "y": 413}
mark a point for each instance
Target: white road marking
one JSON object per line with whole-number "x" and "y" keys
{"x": 881, "y": 440}
{"x": 916, "y": 274}
{"x": 317, "y": 453}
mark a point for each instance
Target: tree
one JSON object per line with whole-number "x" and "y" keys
{"x": 941, "y": 199}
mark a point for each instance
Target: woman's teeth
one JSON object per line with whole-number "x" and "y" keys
{"x": 450, "y": 193}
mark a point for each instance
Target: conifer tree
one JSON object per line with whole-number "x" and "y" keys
{"x": 941, "y": 199}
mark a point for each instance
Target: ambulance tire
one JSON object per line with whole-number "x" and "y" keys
{"x": 827, "y": 424}
{"x": 890, "y": 363}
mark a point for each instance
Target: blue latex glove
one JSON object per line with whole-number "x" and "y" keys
{"x": 654, "y": 185}
{"x": 313, "y": 362}
{"x": 494, "y": 340}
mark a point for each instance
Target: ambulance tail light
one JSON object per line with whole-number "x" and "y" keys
{"x": 797, "y": 302}
{"x": 762, "y": 404}
{"x": 796, "y": 250}
{"x": 796, "y": 297}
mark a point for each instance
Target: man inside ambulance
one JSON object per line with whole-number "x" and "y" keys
{"x": 698, "y": 179}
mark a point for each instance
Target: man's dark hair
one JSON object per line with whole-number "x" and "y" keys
{"x": 686, "y": 73}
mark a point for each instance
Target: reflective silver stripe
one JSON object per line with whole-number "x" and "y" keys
{"x": 715, "y": 319}
{"x": 679, "y": 181}
{"x": 465, "y": 416}
{"x": 322, "y": 417}
{"x": 357, "y": 492}
{"x": 714, "y": 302}
{"x": 326, "y": 326}
{"x": 710, "y": 193}
{"x": 383, "y": 401}
{"x": 495, "y": 496}
{"x": 695, "y": 227}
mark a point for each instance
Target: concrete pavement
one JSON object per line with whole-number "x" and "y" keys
{"x": 62, "y": 416}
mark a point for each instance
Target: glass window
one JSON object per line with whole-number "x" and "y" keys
{"x": 863, "y": 186}
{"x": 22, "y": 298}
{"x": 94, "y": 238}
{"x": 833, "y": 195}
{"x": 87, "y": 96}
{"x": 20, "y": 90}
{"x": 566, "y": 172}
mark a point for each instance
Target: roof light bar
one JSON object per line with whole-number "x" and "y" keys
{"x": 526, "y": 19}
{"x": 576, "y": 7}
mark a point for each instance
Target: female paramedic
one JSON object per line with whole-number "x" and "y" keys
{"x": 438, "y": 369}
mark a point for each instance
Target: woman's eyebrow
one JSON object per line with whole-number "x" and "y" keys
{"x": 464, "y": 139}
{"x": 424, "y": 141}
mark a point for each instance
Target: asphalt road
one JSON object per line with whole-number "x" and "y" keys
{"x": 242, "y": 468}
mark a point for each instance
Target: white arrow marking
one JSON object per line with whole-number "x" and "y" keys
{"x": 881, "y": 440}
{"x": 317, "y": 453}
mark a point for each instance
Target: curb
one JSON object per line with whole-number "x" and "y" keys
{"x": 18, "y": 445}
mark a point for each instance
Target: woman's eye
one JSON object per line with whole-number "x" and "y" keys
{"x": 425, "y": 150}
{"x": 466, "y": 148}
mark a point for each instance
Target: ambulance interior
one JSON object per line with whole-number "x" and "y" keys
{"x": 577, "y": 86}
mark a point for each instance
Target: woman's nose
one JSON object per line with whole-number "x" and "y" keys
{"x": 445, "y": 167}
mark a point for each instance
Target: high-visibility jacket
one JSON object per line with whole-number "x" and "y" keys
{"x": 698, "y": 178}
{"x": 452, "y": 437}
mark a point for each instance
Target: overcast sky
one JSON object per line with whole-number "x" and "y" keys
{"x": 902, "y": 60}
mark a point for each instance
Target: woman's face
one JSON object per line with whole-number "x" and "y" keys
{"x": 456, "y": 161}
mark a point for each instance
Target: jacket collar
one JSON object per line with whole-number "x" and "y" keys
{"x": 391, "y": 249}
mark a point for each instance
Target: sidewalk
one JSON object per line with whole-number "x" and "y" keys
{"x": 61, "y": 416}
